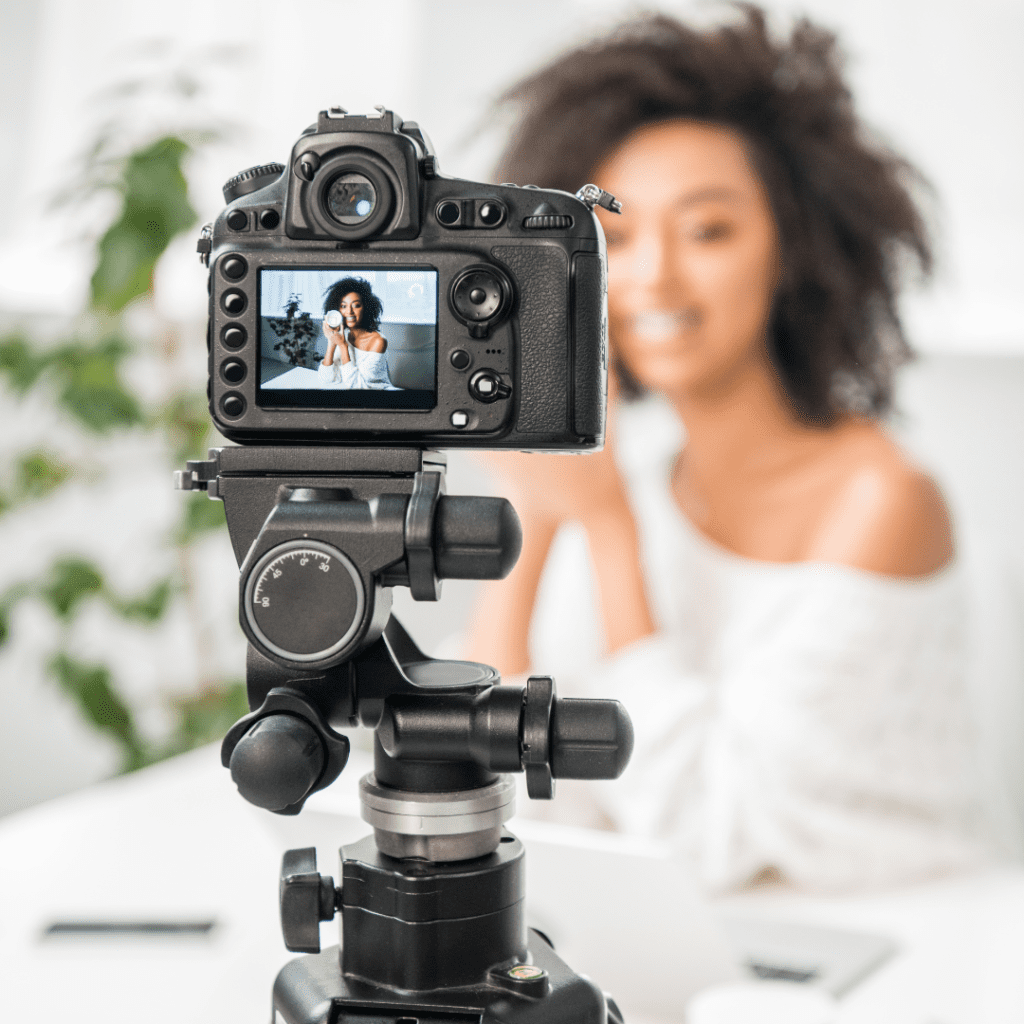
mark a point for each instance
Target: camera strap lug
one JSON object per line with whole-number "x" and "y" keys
{"x": 204, "y": 245}
{"x": 593, "y": 195}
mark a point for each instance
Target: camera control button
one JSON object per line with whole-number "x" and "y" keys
{"x": 477, "y": 295}
{"x": 448, "y": 212}
{"x": 232, "y": 405}
{"x": 491, "y": 213}
{"x": 487, "y": 386}
{"x": 269, "y": 219}
{"x": 460, "y": 418}
{"x": 233, "y": 371}
{"x": 233, "y": 335}
{"x": 234, "y": 268}
{"x": 307, "y": 165}
{"x": 461, "y": 359}
{"x": 233, "y": 302}
{"x": 238, "y": 220}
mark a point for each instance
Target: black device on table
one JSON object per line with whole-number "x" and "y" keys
{"x": 491, "y": 301}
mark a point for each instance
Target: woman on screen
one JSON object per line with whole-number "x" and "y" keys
{"x": 775, "y": 581}
{"x": 355, "y": 356}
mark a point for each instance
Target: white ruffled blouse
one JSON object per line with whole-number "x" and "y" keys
{"x": 808, "y": 718}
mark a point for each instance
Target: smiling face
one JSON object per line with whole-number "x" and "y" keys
{"x": 351, "y": 309}
{"x": 692, "y": 258}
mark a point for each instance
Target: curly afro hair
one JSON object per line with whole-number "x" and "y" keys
{"x": 373, "y": 308}
{"x": 841, "y": 200}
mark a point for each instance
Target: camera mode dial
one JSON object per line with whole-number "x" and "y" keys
{"x": 304, "y": 601}
{"x": 252, "y": 179}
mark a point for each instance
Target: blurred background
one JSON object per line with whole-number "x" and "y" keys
{"x": 119, "y": 122}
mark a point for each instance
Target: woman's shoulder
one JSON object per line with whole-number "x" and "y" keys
{"x": 884, "y": 513}
{"x": 374, "y": 342}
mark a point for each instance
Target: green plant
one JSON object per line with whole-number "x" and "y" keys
{"x": 298, "y": 333}
{"x": 83, "y": 378}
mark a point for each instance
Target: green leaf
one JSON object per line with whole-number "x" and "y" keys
{"x": 8, "y": 601}
{"x": 37, "y": 473}
{"x": 207, "y": 716}
{"x": 88, "y": 379}
{"x": 90, "y": 387}
{"x": 200, "y": 516}
{"x": 147, "y": 609}
{"x": 20, "y": 363}
{"x": 91, "y": 687}
{"x": 155, "y": 209}
{"x": 71, "y": 581}
{"x": 186, "y": 419}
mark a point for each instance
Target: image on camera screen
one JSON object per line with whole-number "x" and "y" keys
{"x": 348, "y": 338}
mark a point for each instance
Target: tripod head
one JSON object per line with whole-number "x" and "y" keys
{"x": 322, "y": 535}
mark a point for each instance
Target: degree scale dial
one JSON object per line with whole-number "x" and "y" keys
{"x": 304, "y": 600}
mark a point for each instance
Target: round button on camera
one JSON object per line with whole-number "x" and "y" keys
{"x": 233, "y": 302}
{"x": 233, "y": 335}
{"x": 491, "y": 214}
{"x": 233, "y": 371}
{"x": 448, "y": 212}
{"x": 234, "y": 268}
{"x": 232, "y": 405}
{"x": 461, "y": 359}
{"x": 480, "y": 294}
{"x": 238, "y": 220}
{"x": 269, "y": 219}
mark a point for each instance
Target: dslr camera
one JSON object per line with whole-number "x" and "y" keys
{"x": 359, "y": 297}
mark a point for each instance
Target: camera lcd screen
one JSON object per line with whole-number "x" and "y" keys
{"x": 348, "y": 338}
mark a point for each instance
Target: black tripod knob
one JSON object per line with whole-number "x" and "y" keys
{"x": 571, "y": 739}
{"x": 307, "y": 898}
{"x": 277, "y": 762}
{"x": 510, "y": 728}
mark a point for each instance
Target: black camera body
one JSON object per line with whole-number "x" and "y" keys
{"x": 472, "y": 315}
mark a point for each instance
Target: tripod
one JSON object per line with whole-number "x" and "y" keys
{"x": 433, "y": 904}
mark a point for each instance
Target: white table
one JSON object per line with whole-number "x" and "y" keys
{"x": 177, "y": 842}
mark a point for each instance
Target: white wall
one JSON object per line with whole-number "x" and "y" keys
{"x": 943, "y": 80}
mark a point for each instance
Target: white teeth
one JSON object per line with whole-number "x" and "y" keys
{"x": 660, "y": 325}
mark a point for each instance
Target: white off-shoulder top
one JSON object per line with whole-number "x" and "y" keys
{"x": 365, "y": 370}
{"x": 807, "y": 718}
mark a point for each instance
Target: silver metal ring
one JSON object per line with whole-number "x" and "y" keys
{"x": 437, "y": 814}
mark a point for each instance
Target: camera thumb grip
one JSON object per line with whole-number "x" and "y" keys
{"x": 475, "y": 538}
{"x": 590, "y": 739}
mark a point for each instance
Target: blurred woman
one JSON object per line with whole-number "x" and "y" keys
{"x": 782, "y": 611}
{"x": 365, "y": 364}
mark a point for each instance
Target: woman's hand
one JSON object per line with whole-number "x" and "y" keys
{"x": 335, "y": 339}
{"x": 557, "y": 488}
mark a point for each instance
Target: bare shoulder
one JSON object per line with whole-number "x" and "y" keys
{"x": 376, "y": 343}
{"x": 885, "y": 515}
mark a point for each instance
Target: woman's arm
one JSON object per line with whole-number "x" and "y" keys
{"x": 499, "y": 634}
{"x": 547, "y": 492}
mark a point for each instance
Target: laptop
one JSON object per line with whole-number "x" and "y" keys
{"x": 629, "y": 914}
